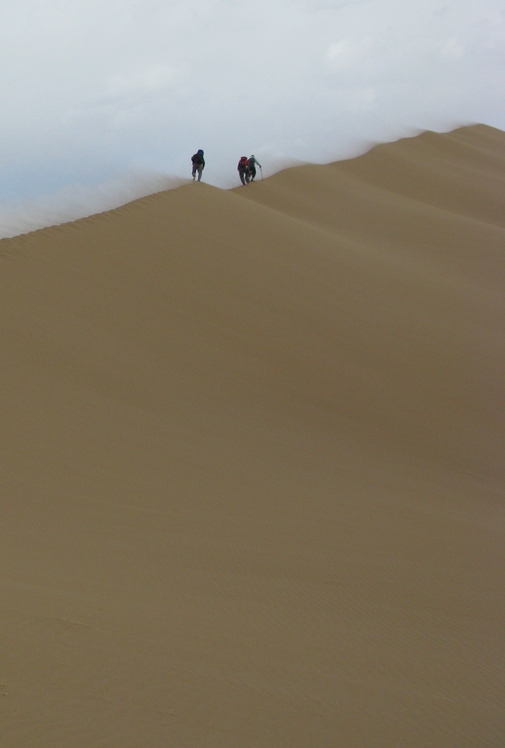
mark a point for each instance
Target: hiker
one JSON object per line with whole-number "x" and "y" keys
{"x": 198, "y": 162}
{"x": 251, "y": 162}
{"x": 243, "y": 170}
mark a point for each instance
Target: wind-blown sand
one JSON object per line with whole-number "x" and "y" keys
{"x": 253, "y": 469}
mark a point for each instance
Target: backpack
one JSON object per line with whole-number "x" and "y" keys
{"x": 243, "y": 163}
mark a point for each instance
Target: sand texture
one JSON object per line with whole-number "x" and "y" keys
{"x": 253, "y": 462}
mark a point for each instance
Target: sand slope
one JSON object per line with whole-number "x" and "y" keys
{"x": 253, "y": 476}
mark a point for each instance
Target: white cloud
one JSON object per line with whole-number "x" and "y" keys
{"x": 347, "y": 53}
{"x": 363, "y": 100}
{"x": 151, "y": 79}
{"x": 452, "y": 49}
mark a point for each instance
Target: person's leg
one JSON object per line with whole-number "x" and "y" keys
{"x": 200, "y": 170}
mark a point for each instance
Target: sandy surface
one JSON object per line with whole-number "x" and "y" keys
{"x": 253, "y": 471}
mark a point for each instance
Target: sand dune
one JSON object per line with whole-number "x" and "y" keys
{"x": 253, "y": 472}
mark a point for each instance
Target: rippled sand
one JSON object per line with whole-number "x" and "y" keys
{"x": 253, "y": 469}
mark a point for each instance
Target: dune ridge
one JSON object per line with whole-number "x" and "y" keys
{"x": 253, "y": 469}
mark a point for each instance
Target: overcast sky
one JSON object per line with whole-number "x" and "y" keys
{"x": 104, "y": 99}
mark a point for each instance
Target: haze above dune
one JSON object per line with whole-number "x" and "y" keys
{"x": 253, "y": 472}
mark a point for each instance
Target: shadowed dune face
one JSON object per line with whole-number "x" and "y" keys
{"x": 253, "y": 467}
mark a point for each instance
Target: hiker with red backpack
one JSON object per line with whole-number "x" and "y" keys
{"x": 243, "y": 170}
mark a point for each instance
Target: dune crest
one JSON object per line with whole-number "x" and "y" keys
{"x": 253, "y": 461}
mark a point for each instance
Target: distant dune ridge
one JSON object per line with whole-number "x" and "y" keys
{"x": 253, "y": 461}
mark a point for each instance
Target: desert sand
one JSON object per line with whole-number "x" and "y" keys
{"x": 253, "y": 471}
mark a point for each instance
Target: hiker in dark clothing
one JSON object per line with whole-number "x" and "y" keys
{"x": 198, "y": 162}
{"x": 243, "y": 170}
{"x": 251, "y": 162}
